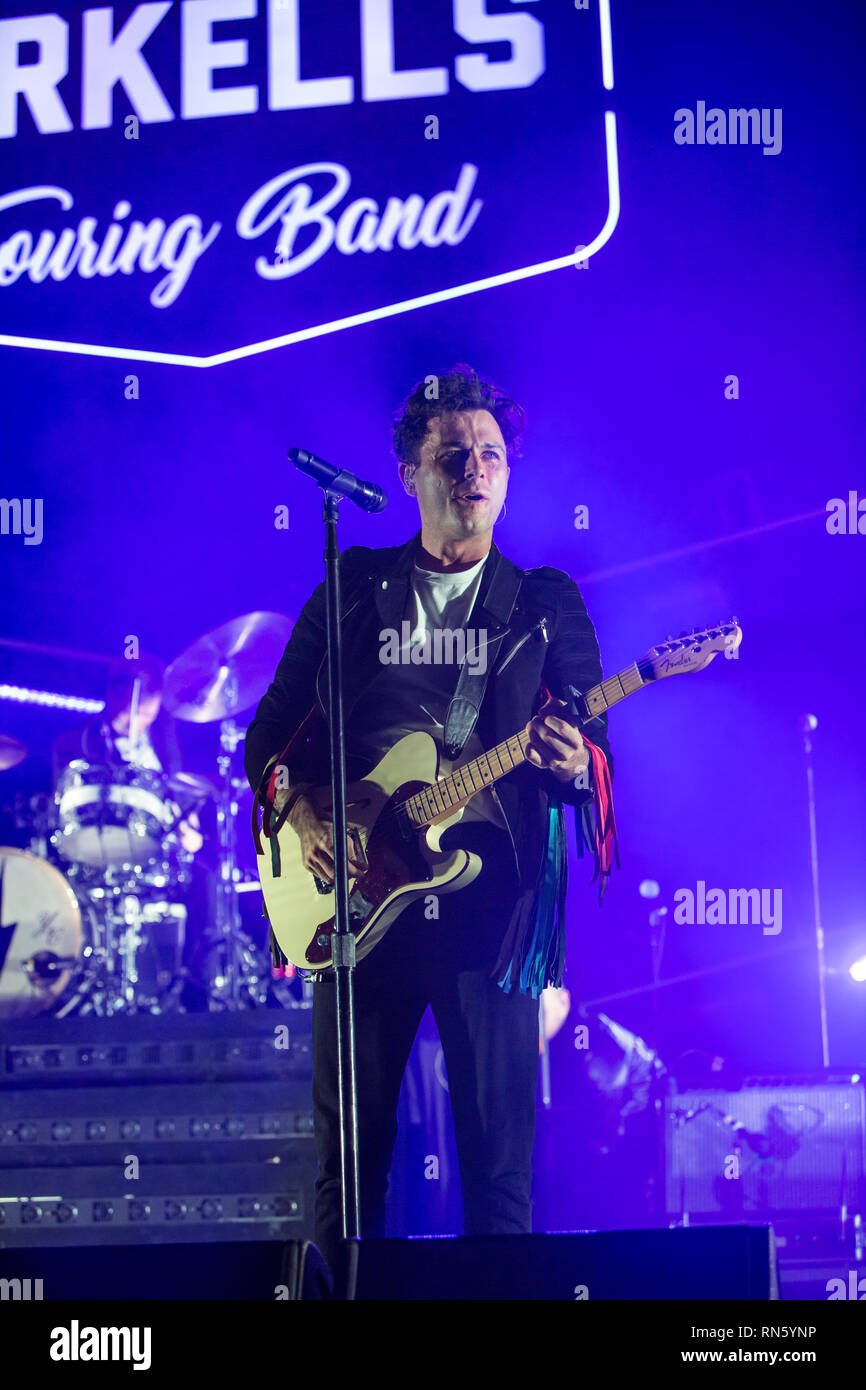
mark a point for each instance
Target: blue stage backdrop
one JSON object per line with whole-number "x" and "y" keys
{"x": 228, "y": 227}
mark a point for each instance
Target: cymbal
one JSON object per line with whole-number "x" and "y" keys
{"x": 190, "y": 786}
{"x": 12, "y": 752}
{"x": 226, "y": 670}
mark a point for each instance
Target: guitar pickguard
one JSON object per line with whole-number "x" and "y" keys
{"x": 394, "y": 860}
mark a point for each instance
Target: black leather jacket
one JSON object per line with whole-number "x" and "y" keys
{"x": 374, "y": 587}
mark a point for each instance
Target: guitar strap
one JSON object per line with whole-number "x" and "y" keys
{"x": 466, "y": 701}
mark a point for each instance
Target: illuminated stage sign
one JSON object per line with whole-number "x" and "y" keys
{"x": 196, "y": 182}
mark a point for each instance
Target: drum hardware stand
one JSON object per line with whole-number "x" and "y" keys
{"x": 240, "y": 979}
{"x": 106, "y": 990}
{"x": 89, "y": 991}
{"x": 108, "y": 976}
{"x": 130, "y": 940}
{"x": 221, "y": 673}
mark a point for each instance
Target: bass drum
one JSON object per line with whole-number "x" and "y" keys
{"x": 41, "y": 935}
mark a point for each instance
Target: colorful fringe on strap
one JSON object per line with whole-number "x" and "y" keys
{"x": 533, "y": 952}
{"x": 599, "y": 838}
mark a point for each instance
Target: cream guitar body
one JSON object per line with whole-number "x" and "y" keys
{"x": 405, "y": 861}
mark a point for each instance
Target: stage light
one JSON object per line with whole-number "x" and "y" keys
{"x": 857, "y": 971}
{"x": 24, "y": 696}
{"x": 606, "y": 44}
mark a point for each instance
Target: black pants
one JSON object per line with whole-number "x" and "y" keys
{"x": 489, "y": 1038}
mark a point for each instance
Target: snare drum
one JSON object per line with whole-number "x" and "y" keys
{"x": 111, "y": 815}
{"x": 41, "y": 935}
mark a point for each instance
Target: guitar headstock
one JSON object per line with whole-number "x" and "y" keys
{"x": 691, "y": 651}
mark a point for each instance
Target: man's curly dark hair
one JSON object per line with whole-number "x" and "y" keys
{"x": 461, "y": 388}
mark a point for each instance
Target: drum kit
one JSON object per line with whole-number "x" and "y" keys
{"x": 93, "y": 914}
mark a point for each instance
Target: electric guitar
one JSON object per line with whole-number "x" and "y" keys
{"x": 399, "y": 812}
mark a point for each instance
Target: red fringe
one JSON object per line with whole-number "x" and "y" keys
{"x": 605, "y": 847}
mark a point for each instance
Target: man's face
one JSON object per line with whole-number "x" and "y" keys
{"x": 148, "y": 709}
{"x": 462, "y": 475}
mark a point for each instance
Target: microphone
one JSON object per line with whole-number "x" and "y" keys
{"x": 366, "y": 495}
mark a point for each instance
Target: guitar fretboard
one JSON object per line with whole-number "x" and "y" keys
{"x": 450, "y": 793}
{"x": 615, "y": 688}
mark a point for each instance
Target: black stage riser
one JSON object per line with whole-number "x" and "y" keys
{"x": 715, "y": 1263}
{"x": 142, "y": 1047}
{"x": 270, "y": 1270}
{"x": 174, "y": 1123}
{"x": 721, "y": 1264}
{"x": 191, "y": 1202}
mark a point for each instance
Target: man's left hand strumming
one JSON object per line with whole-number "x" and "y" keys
{"x": 556, "y": 743}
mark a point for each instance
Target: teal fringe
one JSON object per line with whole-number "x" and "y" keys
{"x": 538, "y": 952}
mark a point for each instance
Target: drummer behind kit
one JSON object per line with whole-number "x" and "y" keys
{"x": 93, "y": 917}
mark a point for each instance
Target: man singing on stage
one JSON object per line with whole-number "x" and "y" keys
{"x": 481, "y": 958}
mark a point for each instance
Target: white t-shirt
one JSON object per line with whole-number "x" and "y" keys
{"x": 145, "y": 753}
{"x": 407, "y": 696}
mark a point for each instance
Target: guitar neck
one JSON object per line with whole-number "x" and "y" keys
{"x": 615, "y": 688}
{"x": 451, "y": 793}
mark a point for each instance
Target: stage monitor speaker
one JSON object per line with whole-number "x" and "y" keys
{"x": 717, "y": 1263}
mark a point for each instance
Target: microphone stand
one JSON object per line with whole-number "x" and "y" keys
{"x": 336, "y": 483}
{"x": 342, "y": 939}
{"x": 546, "y": 1098}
